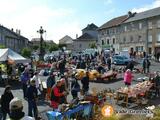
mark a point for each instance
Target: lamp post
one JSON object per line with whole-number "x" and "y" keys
{"x": 41, "y": 31}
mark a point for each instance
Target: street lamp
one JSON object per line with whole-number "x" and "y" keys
{"x": 41, "y": 31}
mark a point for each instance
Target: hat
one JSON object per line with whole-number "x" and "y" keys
{"x": 15, "y": 104}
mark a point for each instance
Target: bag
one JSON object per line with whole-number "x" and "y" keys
{"x": 76, "y": 87}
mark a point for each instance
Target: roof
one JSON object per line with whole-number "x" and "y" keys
{"x": 14, "y": 33}
{"x": 114, "y": 22}
{"x": 145, "y": 14}
{"x": 91, "y": 26}
{"x": 85, "y": 36}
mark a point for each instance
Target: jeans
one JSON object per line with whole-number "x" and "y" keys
{"x": 24, "y": 87}
{"x": 32, "y": 107}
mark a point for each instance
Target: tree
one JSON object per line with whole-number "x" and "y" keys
{"x": 26, "y": 52}
{"x": 2, "y": 46}
{"x": 93, "y": 45}
{"x": 35, "y": 47}
{"x": 53, "y": 47}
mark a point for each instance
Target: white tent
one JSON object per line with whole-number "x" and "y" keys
{"x": 8, "y": 54}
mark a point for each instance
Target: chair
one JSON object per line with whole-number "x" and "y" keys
{"x": 87, "y": 112}
{"x": 52, "y": 115}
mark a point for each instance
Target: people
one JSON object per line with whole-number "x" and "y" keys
{"x": 109, "y": 63}
{"x": 32, "y": 97}
{"x": 6, "y": 97}
{"x": 75, "y": 87}
{"x": 50, "y": 83}
{"x": 128, "y": 77}
{"x": 85, "y": 83}
{"x": 36, "y": 78}
{"x": 16, "y": 112}
{"x": 130, "y": 65}
{"x": 146, "y": 65}
{"x": 157, "y": 83}
{"x": 25, "y": 80}
{"x": 56, "y": 95}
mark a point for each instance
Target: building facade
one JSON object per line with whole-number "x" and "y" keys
{"x": 135, "y": 32}
{"x": 12, "y": 40}
{"x": 67, "y": 41}
{"x": 141, "y": 33}
{"x": 87, "y": 39}
{"x": 109, "y": 34}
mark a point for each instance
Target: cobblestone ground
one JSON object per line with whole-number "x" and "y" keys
{"x": 44, "y": 105}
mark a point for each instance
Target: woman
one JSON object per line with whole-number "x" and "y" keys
{"x": 128, "y": 77}
{"x": 5, "y": 100}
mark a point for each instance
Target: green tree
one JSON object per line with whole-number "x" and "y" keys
{"x": 93, "y": 45}
{"x": 61, "y": 45}
{"x": 2, "y": 46}
{"x": 26, "y": 52}
{"x": 53, "y": 47}
{"x": 35, "y": 47}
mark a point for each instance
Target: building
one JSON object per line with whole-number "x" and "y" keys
{"x": 89, "y": 36}
{"x": 108, "y": 33}
{"x": 142, "y": 32}
{"x": 135, "y": 32}
{"x": 36, "y": 42}
{"x": 12, "y": 40}
{"x": 67, "y": 41}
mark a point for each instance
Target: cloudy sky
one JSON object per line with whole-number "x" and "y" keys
{"x": 64, "y": 17}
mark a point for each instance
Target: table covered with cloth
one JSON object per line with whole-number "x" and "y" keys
{"x": 85, "y": 109}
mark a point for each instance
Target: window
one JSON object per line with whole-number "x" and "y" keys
{"x": 139, "y": 38}
{"x": 113, "y": 40}
{"x": 102, "y": 42}
{"x": 80, "y": 45}
{"x": 124, "y": 39}
{"x": 158, "y": 37}
{"x": 107, "y": 32}
{"x": 150, "y": 50}
{"x": 150, "y": 38}
{"x": 125, "y": 28}
{"x": 150, "y": 25}
{"x": 140, "y": 26}
{"x": 107, "y": 41}
{"x": 158, "y": 23}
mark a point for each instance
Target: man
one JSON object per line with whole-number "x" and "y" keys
{"x": 157, "y": 83}
{"x": 16, "y": 112}
{"x": 85, "y": 83}
{"x": 50, "y": 83}
{"x": 24, "y": 80}
{"x": 32, "y": 96}
{"x": 109, "y": 63}
{"x": 56, "y": 95}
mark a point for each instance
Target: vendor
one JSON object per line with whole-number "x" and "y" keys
{"x": 56, "y": 95}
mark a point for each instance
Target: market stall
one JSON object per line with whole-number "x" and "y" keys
{"x": 142, "y": 88}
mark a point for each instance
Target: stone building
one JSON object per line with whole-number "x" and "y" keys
{"x": 12, "y": 40}
{"x": 89, "y": 36}
{"x": 142, "y": 32}
{"x": 135, "y": 32}
{"x": 67, "y": 41}
{"x": 108, "y": 33}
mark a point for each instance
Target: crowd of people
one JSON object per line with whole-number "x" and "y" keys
{"x": 61, "y": 82}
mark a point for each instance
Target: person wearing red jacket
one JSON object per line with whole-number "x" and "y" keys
{"x": 56, "y": 94}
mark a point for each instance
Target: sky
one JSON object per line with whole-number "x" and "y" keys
{"x": 64, "y": 17}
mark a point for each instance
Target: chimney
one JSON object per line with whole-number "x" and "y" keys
{"x": 76, "y": 36}
{"x": 129, "y": 14}
{"x": 12, "y": 29}
{"x": 19, "y": 32}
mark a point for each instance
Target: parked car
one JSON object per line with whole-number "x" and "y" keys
{"x": 120, "y": 60}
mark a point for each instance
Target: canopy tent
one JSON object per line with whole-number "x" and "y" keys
{"x": 8, "y": 54}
